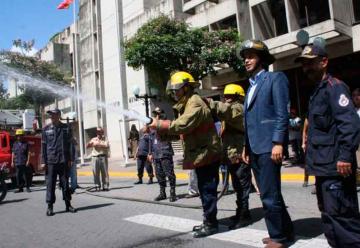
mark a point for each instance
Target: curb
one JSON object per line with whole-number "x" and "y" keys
{"x": 296, "y": 177}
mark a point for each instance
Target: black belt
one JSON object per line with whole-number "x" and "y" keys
{"x": 99, "y": 156}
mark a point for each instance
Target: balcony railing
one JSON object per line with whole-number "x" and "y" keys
{"x": 190, "y": 4}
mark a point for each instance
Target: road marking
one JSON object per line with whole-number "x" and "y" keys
{"x": 243, "y": 236}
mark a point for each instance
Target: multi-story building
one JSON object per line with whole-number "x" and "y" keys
{"x": 105, "y": 24}
{"x": 91, "y": 72}
{"x": 278, "y": 22}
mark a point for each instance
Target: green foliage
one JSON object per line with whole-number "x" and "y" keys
{"x": 19, "y": 102}
{"x": 3, "y": 91}
{"x": 33, "y": 66}
{"x": 164, "y": 45}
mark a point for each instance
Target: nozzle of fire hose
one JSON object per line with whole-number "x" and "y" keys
{"x": 149, "y": 121}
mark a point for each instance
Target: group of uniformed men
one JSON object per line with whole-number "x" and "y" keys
{"x": 253, "y": 134}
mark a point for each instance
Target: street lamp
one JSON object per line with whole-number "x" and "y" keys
{"x": 146, "y": 97}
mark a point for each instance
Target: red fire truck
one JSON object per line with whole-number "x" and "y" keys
{"x": 6, "y": 141}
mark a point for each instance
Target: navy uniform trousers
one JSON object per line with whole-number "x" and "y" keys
{"x": 338, "y": 203}
{"x": 53, "y": 170}
{"x": 241, "y": 181}
{"x": 164, "y": 167}
{"x": 208, "y": 180}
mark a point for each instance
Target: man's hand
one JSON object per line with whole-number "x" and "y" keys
{"x": 12, "y": 165}
{"x": 277, "y": 153}
{"x": 90, "y": 144}
{"x": 344, "y": 168}
{"x": 27, "y": 164}
{"x": 245, "y": 156}
{"x": 153, "y": 124}
{"x": 44, "y": 166}
{"x": 150, "y": 158}
{"x": 303, "y": 146}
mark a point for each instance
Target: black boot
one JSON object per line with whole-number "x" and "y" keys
{"x": 172, "y": 195}
{"x": 69, "y": 208}
{"x": 151, "y": 181}
{"x": 162, "y": 195}
{"x": 139, "y": 181}
{"x": 241, "y": 219}
{"x": 205, "y": 229}
{"x": 50, "y": 210}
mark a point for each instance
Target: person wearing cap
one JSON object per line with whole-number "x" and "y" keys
{"x": 266, "y": 131}
{"x": 333, "y": 137}
{"x": 57, "y": 159}
{"x": 100, "y": 150}
{"x": 142, "y": 156}
{"x": 202, "y": 146}
{"x": 161, "y": 153}
{"x": 231, "y": 115}
{"x": 21, "y": 160}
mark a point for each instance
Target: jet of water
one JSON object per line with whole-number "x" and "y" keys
{"x": 48, "y": 86}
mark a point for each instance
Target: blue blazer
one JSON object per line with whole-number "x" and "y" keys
{"x": 267, "y": 116}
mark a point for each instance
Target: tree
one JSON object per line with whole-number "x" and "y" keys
{"x": 164, "y": 45}
{"x": 3, "y": 91}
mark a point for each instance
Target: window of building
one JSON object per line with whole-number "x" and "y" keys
{"x": 269, "y": 19}
{"x": 356, "y": 4}
{"x": 226, "y": 23}
{"x": 309, "y": 12}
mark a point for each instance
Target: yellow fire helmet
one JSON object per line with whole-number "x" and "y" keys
{"x": 234, "y": 89}
{"x": 19, "y": 132}
{"x": 180, "y": 79}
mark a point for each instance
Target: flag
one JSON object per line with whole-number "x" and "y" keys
{"x": 65, "y": 4}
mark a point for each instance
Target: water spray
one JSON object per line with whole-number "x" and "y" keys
{"x": 59, "y": 89}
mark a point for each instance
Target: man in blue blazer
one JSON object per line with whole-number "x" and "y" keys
{"x": 266, "y": 129}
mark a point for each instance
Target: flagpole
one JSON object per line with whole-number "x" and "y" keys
{"x": 77, "y": 82}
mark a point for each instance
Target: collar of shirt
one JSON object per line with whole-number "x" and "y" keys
{"x": 253, "y": 80}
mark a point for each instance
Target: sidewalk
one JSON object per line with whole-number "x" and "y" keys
{"x": 289, "y": 173}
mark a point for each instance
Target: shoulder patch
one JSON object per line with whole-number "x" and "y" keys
{"x": 343, "y": 101}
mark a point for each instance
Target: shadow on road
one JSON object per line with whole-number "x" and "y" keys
{"x": 308, "y": 228}
{"x": 163, "y": 242}
{"x": 13, "y": 201}
{"x": 256, "y": 215}
{"x": 89, "y": 207}
{"x": 122, "y": 187}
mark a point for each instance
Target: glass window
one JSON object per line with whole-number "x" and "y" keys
{"x": 270, "y": 19}
{"x": 226, "y": 23}
{"x": 310, "y": 12}
{"x": 356, "y": 4}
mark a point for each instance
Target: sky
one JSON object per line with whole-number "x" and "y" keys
{"x": 31, "y": 19}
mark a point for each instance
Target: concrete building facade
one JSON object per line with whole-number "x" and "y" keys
{"x": 105, "y": 24}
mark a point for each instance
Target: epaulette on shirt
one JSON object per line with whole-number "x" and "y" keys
{"x": 332, "y": 80}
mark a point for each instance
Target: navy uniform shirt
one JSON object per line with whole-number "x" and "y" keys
{"x": 160, "y": 148}
{"x": 20, "y": 150}
{"x": 334, "y": 128}
{"x": 56, "y": 144}
{"x": 144, "y": 145}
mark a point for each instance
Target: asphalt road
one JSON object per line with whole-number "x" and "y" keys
{"x": 107, "y": 222}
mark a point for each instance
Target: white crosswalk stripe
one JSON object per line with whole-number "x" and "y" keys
{"x": 244, "y": 236}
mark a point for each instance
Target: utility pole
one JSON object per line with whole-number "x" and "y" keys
{"x": 77, "y": 81}
{"x": 124, "y": 98}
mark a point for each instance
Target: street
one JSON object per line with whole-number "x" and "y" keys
{"x": 105, "y": 219}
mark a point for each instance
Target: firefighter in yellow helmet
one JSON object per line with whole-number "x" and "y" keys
{"x": 202, "y": 145}
{"x": 231, "y": 114}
